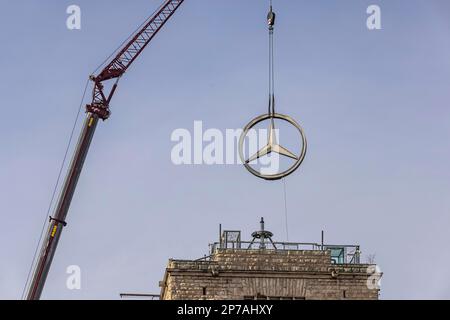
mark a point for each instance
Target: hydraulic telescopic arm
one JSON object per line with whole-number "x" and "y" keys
{"x": 97, "y": 109}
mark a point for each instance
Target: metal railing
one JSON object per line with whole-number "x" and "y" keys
{"x": 340, "y": 254}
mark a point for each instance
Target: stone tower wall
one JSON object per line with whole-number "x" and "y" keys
{"x": 249, "y": 274}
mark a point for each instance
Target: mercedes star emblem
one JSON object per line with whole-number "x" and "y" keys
{"x": 272, "y": 146}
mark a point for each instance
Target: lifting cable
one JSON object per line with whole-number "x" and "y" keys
{"x": 286, "y": 210}
{"x": 271, "y": 24}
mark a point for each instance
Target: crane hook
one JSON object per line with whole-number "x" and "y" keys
{"x": 271, "y": 18}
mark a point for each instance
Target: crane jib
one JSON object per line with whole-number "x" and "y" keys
{"x": 97, "y": 109}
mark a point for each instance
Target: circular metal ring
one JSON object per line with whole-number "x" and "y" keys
{"x": 291, "y": 169}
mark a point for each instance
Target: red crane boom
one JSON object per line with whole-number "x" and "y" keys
{"x": 126, "y": 56}
{"x": 97, "y": 109}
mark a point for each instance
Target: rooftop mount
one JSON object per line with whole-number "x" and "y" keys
{"x": 262, "y": 235}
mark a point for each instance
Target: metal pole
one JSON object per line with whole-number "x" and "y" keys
{"x": 322, "y": 240}
{"x": 263, "y": 240}
{"x": 220, "y": 235}
{"x": 57, "y": 221}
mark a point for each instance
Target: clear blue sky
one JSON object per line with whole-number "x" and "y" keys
{"x": 374, "y": 104}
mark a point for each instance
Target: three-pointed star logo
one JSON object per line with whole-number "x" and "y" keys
{"x": 272, "y": 146}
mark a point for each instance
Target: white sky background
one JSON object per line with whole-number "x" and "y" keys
{"x": 374, "y": 105}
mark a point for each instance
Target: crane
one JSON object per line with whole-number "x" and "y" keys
{"x": 97, "y": 110}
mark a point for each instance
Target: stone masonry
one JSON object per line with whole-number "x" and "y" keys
{"x": 236, "y": 274}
